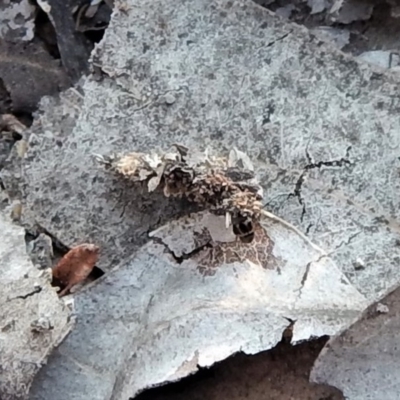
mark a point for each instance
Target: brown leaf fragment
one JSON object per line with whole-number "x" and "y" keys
{"x": 75, "y": 266}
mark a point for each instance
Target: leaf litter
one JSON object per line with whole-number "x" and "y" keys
{"x": 156, "y": 174}
{"x": 216, "y": 293}
{"x": 363, "y": 361}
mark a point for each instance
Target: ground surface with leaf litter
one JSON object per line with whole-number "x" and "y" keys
{"x": 355, "y": 30}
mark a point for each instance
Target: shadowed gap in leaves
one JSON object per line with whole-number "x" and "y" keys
{"x": 281, "y": 373}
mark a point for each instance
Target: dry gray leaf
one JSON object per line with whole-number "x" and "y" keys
{"x": 188, "y": 297}
{"x": 317, "y": 6}
{"x": 340, "y": 37}
{"x": 344, "y": 204}
{"x": 27, "y": 304}
{"x": 40, "y": 251}
{"x": 346, "y": 12}
{"x": 363, "y": 362}
{"x": 17, "y": 20}
{"x": 336, "y": 6}
{"x": 286, "y": 11}
{"x": 331, "y": 203}
{"x": 381, "y": 58}
{"x": 93, "y": 8}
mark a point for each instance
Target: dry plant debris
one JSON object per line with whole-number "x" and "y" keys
{"x": 75, "y": 267}
{"x": 224, "y": 186}
{"x": 9, "y": 123}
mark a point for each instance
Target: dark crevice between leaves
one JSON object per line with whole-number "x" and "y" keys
{"x": 78, "y": 27}
{"x": 96, "y": 274}
{"x": 344, "y": 161}
{"x": 60, "y": 35}
{"x": 282, "y": 372}
{"x": 48, "y": 39}
{"x": 74, "y": 47}
{"x": 45, "y": 32}
{"x": 70, "y": 34}
{"x": 172, "y": 390}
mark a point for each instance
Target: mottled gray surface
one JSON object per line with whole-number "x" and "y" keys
{"x": 32, "y": 319}
{"x": 17, "y": 20}
{"x": 239, "y": 77}
{"x": 364, "y": 362}
{"x": 321, "y": 128}
{"x": 382, "y": 58}
{"x": 40, "y": 251}
{"x": 156, "y": 319}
